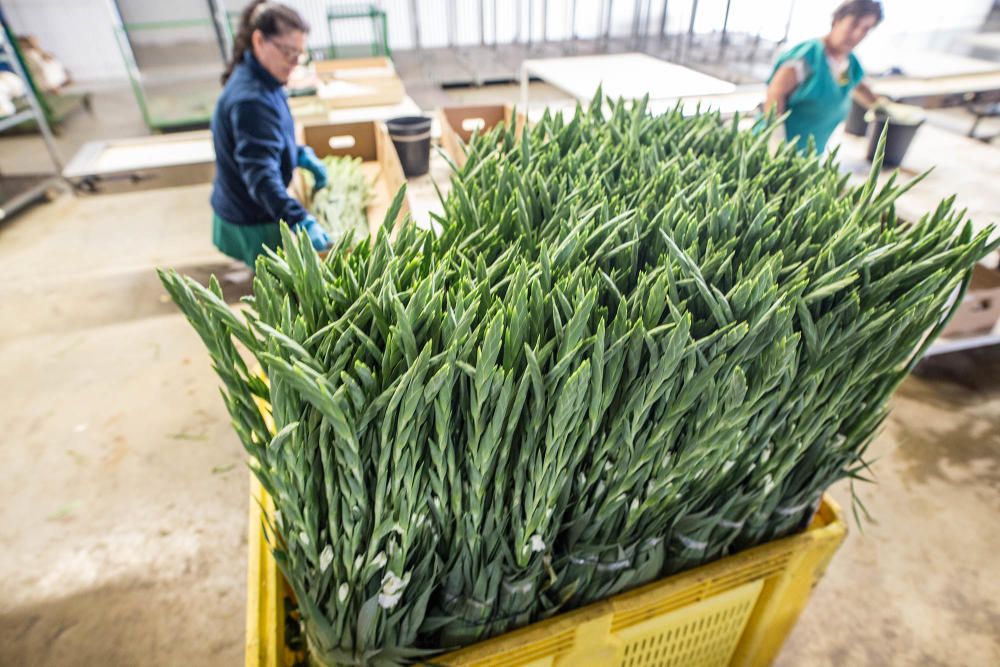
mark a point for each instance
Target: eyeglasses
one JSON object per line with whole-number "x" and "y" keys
{"x": 290, "y": 53}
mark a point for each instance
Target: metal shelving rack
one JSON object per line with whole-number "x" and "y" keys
{"x": 172, "y": 101}
{"x": 373, "y": 41}
{"x": 19, "y": 190}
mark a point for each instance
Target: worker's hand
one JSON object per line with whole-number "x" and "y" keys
{"x": 317, "y": 235}
{"x": 308, "y": 160}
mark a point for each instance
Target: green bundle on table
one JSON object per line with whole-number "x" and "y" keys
{"x": 340, "y": 207}
{"x": 638, "y": 343}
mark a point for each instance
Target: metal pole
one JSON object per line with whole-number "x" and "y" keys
{"x": 331, "y": 49}
{"x": 725, "y": 25}
{"x": 531, "y": 21}
{"x": 450, "y": 22}
{"x": 545, "y": 21}
{"x": 116, "y": 15}
{"x": 788, "y": 23}
{"x": 222, "y": 32}
{"x": 690, "y": 35}
{"x": 663, "y": 21}
{"x": 645, "y": 23}
{"x": 607, "y": 25}
{"x": 636, "y": 11}
{"x": 753, "y": 48}
{"x": 517, "y": 22}
{"x": 600, "y": 22}
{"x": 494, "y": 25}
{"x": 569, "y": 34}
{"x": 415, "y": 24}
{"x": 482, "y": 24}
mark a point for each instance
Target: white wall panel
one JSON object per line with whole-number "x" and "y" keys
{"x": 79, "y": 31}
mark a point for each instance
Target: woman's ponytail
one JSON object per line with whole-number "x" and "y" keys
{"x": 271, "y": 18}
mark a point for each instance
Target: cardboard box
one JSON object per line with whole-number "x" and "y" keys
{"x": 370, "y": 141}
{"x": 346, "y": 94}
{"x": 353, "y": 68}
{"x": 351, "y": 82}
{"x": 980, "y": 308}
{"x": 458, "y": 124}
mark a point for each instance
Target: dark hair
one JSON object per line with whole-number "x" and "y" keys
{"x": 859, "y": 9}
{"x": 271, "y": 18}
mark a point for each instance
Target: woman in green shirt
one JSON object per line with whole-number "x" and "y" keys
{"x": 815, "y": 80}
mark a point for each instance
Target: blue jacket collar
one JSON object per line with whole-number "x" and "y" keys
{"x": 259, "y": 72}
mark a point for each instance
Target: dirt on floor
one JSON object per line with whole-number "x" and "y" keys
{"x": 124, "y": 528}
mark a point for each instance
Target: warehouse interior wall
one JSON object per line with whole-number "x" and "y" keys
{"x": 902, "y": 17}
{"x": 79, "y": 32}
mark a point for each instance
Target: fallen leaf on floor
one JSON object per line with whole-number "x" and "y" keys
{"x": 218, "y": 470}
{"x": 63, "y": 512}
{"x": 184, "y": 435}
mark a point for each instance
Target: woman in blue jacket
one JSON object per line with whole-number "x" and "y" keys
{"x": 254, "y": 137}
{"x": 815, "y": 80}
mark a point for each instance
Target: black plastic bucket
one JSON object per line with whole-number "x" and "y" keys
{"x": 856, "y": 123}
{"x": 411, "y": 135}
{"x": 897, "y": 139}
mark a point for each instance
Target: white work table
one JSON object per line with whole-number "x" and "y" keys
{"x": 941, "y": 80}
{"x": 628, "y": 75}
{"x": 318, "y": 113}
{"x": 920, "y": 63}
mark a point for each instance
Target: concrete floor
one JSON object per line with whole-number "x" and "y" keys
{"x": 125, "y": 537}
{"x": 920, "y": 584}
{"x": 125, "y": 522}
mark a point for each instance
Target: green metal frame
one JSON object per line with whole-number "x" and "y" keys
{"x": 135, "y": 75}
{"x": 28, "y": 187}
{"x": 379, "y": 22}
{"x": 233, "y": 21}
{"x": 378, "y": 17}
{"x": 137, "y": 26}
{"x": 12, "y": 41}
{"x": 53, "y": 115}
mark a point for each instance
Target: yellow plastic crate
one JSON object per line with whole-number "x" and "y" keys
{"x": 736, "y": 611}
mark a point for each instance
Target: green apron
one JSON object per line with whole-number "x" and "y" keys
{"x": 244, "y": 242}
{"x": 819, "y": 103}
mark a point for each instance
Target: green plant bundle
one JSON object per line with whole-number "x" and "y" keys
{"x": 638, "y": 343}
{"x": 340, "y": 206}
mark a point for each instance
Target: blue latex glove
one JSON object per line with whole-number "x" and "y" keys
{"x": 317, "y": 235}
{"x": 308, "y": 160}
